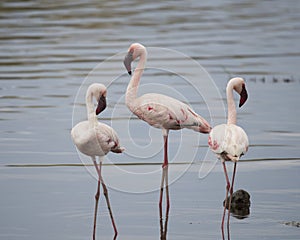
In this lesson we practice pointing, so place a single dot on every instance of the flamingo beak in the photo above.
(127, 62)
(101, 105)
(244, 96)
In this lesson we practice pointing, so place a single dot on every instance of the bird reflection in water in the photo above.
(240, 204)
(164, 224)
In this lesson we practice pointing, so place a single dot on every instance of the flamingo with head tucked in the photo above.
(230, 141)
(96, 139)
(159, 110)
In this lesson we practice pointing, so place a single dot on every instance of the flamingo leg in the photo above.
(225, 204)
(105, 192)
(166, 170)
(166, 162)
(164, 184)
(164, 180)
(161, 193)
(167, 190)
(96, 198)
(230, 199)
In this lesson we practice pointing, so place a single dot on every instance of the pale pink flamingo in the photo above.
(96, 139)
(230, 141)
(159, 111)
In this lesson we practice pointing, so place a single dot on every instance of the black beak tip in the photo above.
(129, 72)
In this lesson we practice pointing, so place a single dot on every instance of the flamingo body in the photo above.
(164, 112)
(97, 140)
(228, 141)
(158, 110)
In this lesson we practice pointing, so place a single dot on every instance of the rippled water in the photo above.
(48, 48)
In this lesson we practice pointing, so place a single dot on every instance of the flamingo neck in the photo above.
(231, 118)
(92, 118)
(133, 85)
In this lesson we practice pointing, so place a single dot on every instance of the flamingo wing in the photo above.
(108, 139)
(165, 112)
(96, 141)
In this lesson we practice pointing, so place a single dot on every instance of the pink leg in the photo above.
(225, 204)
(166, 170)
(167, 190)
(164, 167)
(230, 199)
(96, 198)
(164, 183)
(165, 151)
(161, 192)
(96, 209)
(105, 192)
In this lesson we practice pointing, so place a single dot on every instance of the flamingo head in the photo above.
(127, 61)
(240, 88)
(134, 51)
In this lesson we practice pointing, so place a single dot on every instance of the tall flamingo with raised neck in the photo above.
(97, 139)
(159, 110)
(230, 141)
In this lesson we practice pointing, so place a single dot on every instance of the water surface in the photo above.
(48, 49)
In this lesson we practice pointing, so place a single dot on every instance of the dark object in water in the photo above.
(292, 223)
(240, 204)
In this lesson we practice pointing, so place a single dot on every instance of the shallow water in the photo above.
(49, 48)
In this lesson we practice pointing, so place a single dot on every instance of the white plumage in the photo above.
(96, 139)
(229, 141)
(164, 112)
(92, 137)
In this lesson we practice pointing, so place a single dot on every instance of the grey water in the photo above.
(51, 50)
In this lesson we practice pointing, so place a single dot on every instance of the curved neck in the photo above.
(133, 85)
(90, 108)
(231, 118)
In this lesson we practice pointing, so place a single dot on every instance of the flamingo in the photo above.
(159, 111)
(96, 139)
(229, 141)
